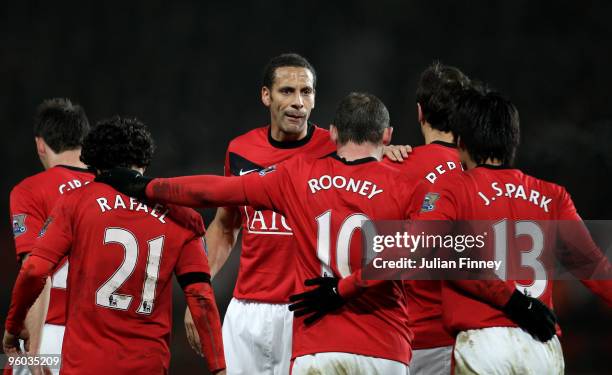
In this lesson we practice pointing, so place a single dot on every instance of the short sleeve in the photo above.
(192, 258)
(55, 238)
(566, 208)
(269, 188)
(28, 217)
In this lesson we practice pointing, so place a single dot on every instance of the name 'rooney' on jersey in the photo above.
(362, 187)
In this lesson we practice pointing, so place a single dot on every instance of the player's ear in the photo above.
(41, 146)
(460, 144)
(387, 133)
(333, 133)
(265, 96)
(420, 113)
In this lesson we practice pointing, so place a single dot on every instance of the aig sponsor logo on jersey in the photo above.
(266, 222)
(19, 226)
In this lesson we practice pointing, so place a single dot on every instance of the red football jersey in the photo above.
(427, 163)
(268, 246)
(122, 254)
(31, 203)
(326, 201)
(498, 193)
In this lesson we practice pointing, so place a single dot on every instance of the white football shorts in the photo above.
(505, 351)
(257, 338)
(431, 361)
(337, 363)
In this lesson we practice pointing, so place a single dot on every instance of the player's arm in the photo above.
(51, 247)
(30, 283)
(221, 237)
(28, 219)
(35, 319)
(193, 274)
(580, 254)
(263, 191)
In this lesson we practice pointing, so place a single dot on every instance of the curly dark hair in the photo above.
(61, 124)
(118, 142)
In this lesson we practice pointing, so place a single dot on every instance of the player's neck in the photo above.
(432, 135)
(352, 151)
(469, 163)
(281, 136)
(70, 158)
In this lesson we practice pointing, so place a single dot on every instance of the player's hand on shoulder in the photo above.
(397, 153)
(317, 302)
(125, 180)
(531, 315)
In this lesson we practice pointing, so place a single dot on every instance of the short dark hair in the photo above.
(361, 117)
(488, 126)
(436, 92)
(286, 59)
(61, 124)
(118, 142)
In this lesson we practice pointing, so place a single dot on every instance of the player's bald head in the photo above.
(361, 117)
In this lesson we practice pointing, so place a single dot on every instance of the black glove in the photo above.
(531, 315)
(319, 301)
(126, 181)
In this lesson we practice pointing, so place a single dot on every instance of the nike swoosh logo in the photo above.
(242, 173)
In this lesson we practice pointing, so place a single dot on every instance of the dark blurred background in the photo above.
(192, 72)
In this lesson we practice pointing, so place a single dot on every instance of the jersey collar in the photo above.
(352, 162)
(489, 166)
(292, 144)
(445, 144)
(86, 170)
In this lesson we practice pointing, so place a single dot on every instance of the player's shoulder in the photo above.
(42, 180)
(186, 220)
(320, 133)
(551, 187)
(250, 138)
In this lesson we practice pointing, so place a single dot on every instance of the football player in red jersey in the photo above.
(59, 129)
(325, 200)
(487, 342)
(261, 344)
(123, 253)
(437, 89)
